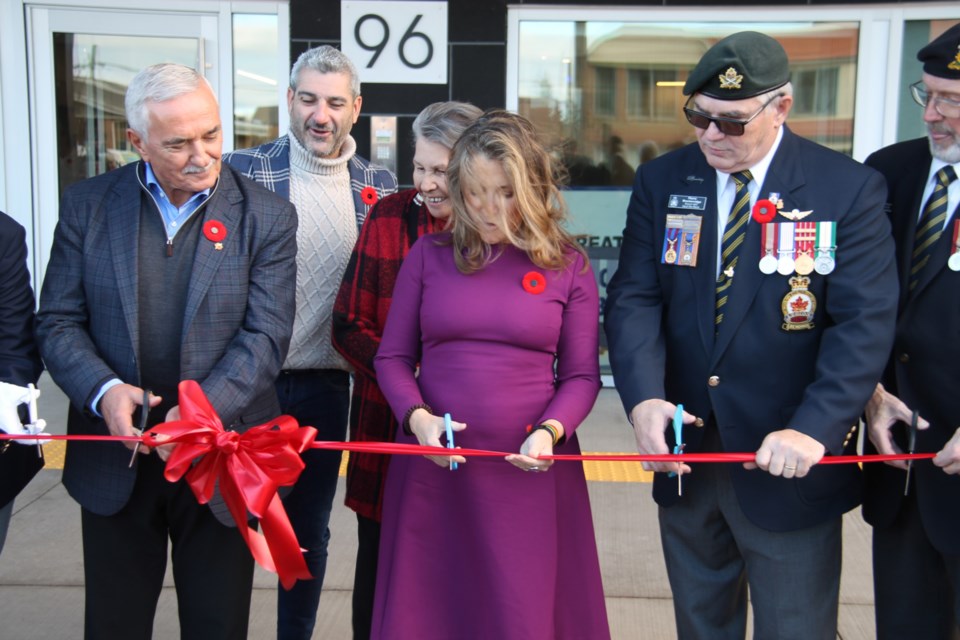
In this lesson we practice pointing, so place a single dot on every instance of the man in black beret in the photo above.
(756, 286)
(916, 548)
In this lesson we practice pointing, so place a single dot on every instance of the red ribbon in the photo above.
(398, 448)
(249, 468)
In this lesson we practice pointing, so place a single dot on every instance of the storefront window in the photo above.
(255, 81)
(608, 97)
(609, 93)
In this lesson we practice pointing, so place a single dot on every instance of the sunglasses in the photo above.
(726, 126)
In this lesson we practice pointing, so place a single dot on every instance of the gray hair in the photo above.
(444, 122)
(785, 90)
(326, 59)
(157, 83)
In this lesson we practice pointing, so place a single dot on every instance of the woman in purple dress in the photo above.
(494, 323)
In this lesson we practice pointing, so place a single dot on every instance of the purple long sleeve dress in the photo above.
(488, 550)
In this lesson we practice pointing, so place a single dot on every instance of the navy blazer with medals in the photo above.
(924, 365)
(754, 377)
(235, 333)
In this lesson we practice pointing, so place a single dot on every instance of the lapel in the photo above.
(785, 177)
(699, 179)
(224, 206)
(123, 224)
(906, 205)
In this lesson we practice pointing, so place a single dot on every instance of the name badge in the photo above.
(695, 203)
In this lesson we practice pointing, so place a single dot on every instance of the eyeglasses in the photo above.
(727, 126)
(944, 106)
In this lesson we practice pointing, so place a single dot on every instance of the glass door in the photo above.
(80, 63)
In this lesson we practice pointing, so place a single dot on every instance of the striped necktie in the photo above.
(931, 225)
(734, 234)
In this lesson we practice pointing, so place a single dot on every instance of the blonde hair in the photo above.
(537, 229)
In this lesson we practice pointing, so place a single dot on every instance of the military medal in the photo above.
(954, 260)
(785, 263)
(670, 239)
(826, 246)
(799, 305)
(806, 233)
(670, 256)
(768, 238)
(690, 240)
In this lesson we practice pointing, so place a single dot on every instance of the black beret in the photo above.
(740, 66)
(941, 57)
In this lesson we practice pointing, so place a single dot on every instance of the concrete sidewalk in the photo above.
(41, 572)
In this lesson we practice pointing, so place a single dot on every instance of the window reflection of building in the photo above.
(605, 93)
(624, 80)
(644, 100)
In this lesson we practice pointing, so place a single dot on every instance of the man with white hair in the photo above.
(776, 356)
(173, 268)
(916, 550)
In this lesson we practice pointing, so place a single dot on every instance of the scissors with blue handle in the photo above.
(448, 425)
(678, 439)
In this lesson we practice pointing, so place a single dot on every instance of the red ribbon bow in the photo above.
(249, 467)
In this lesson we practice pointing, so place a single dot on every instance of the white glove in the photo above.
(11, 397)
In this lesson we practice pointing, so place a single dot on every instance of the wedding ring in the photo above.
(533, 469)
(789, 468)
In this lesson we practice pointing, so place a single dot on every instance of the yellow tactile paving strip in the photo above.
(595, 471)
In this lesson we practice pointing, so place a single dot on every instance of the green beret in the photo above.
(941, 57)
(740, 66)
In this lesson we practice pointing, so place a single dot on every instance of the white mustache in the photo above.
(941, 128)
(195, 169)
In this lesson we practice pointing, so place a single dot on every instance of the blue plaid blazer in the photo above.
(269, 164)
(236, 327)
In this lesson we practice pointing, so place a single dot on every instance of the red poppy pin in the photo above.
(534, 283)
(215, 231)
(764, 211)
(369, 196)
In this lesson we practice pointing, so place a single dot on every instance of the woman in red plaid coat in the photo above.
(360, 313)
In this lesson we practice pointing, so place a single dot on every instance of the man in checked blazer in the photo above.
(916, 546)
(778, 364)
(316, 166)
(173, 268)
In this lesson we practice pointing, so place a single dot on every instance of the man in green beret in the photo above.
(756, 287)
(916, 549)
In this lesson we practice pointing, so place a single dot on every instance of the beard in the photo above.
(949, 154)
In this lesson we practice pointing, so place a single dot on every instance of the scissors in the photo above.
(144, 412)
(911, 448)
(36, 425)
(449, 427)
(679, 446)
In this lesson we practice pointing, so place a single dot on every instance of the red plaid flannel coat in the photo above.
(359, 315)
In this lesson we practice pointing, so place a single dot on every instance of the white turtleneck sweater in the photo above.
(327, 232)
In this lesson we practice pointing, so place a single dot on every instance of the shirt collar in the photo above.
(936, 164)
(759, 170)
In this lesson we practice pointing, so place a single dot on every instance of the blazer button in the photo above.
(904, 358)
(714, 381)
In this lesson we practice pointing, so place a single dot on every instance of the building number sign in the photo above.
(396, 42)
